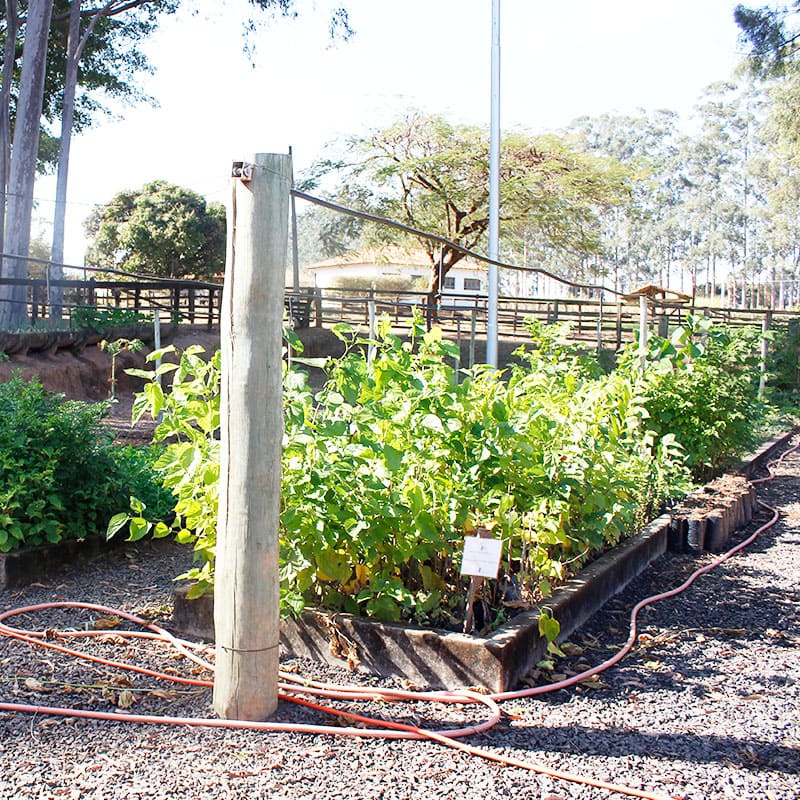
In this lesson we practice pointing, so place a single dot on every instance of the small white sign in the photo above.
(481, 556)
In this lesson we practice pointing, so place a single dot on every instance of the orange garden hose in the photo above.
(290, 686)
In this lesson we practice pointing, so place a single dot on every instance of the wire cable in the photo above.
(296, 689)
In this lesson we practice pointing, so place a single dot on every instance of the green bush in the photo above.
(101, 319)
(701, 386)
(394, 461)
(783, 363)
(60, 475)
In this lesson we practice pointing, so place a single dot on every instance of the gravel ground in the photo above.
(705, 707)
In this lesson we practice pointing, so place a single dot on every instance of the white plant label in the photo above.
(481, 556)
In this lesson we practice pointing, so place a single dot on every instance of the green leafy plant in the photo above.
(395, 460)
(114, 349)
(189, 463)
(783, 364)
(102, 319)
(701, 388)
(60, 475)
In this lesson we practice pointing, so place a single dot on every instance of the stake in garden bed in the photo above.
(246, 601)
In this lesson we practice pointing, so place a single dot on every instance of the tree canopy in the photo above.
(433, 176)
(111, 61)
(83, 54)
(770, 34)
(162, 230)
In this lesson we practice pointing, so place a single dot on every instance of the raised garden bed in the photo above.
(441, 659)
(49, 342)
(31, 564)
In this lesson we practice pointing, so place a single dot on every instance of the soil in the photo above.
(86, 376)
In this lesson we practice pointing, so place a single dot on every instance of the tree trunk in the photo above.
(22, 175)
(74, 50)
(12, 27)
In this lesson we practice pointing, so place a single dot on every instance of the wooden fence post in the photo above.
(765, 324)
(246, 594)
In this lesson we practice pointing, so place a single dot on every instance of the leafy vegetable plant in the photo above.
(395, 460)
(701, 388)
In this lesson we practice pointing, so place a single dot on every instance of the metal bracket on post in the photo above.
(242, 170)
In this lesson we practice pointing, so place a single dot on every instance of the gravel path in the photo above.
(705, 707)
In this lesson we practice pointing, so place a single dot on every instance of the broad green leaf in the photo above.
(549, 627)
(332, 566)
(116, 524)
(139, 528)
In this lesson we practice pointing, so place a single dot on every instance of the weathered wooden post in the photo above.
(762, 383)
(246, 594)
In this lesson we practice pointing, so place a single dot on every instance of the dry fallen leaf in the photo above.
(35, 686)
(594, 682)
(126, 698)
(105, 623)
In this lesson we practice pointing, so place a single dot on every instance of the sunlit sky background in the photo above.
(559, 61)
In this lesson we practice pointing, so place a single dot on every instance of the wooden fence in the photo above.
(592, 320)
(608, 324)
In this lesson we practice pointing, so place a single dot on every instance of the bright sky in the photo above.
(560, 60)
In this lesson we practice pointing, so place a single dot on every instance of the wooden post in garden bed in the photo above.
(246, 595)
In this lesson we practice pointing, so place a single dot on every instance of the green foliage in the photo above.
(394, 461)
(102, 319)
(112, 61)
(783, 364)
(60, 475)
(700, 387)
(162, 230)
(770, 41)
(189, 464)
(114, 349)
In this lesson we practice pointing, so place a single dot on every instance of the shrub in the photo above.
(102, 319)
(60, 475)
(701, 387)
(395, 460)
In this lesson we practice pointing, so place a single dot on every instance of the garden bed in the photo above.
(31, 564)
(48, 342)
(434, 658)
(440, 659)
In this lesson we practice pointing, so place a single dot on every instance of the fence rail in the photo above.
(608, 324)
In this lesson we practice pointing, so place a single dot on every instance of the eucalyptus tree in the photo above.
(70, 32)
(112, 26)
(433, 176)
(722, 203)
(771, 35)
(100, 54)
(20, 171)
(643, 238)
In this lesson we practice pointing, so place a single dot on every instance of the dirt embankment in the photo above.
(87, 375)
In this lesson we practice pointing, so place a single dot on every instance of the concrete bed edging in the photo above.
(23, 567)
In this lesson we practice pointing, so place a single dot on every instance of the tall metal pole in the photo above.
(494, 190)
(295, 250)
